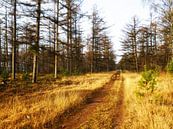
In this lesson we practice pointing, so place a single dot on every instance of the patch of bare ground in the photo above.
(103, 109)
(119, 110)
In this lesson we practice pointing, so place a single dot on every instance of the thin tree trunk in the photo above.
(0, 49)
(50, 45)
(146, 54)
(136, 53)
(107, 67)
(68, 39)
(71, 36)
(92, 47)
(6, 42)
(14, 44)
(171, 33)
(135, 46)
(57, 42)
(76, 44)
(35, 59)
(54, 35)
(155, 38)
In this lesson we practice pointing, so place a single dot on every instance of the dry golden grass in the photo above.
(150, 112)
(33, 110)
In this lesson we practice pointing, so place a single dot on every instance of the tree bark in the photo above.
(57, 42)
(69, 42)
(0, 49)
(6, 42)
(135, 44)
(14, 44)
(35, 59)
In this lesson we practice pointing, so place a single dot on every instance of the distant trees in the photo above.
(6, 34)
(46, 37)
(153, 42)
(166, 20)
(100, 49)
(140, 46)
(130, 45)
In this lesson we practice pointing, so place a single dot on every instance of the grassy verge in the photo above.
(154, 111)
(34, 109)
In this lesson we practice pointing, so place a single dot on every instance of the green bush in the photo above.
(169, 67)
(77, 72)
(147, 83)
(25, 76)
(64, 72)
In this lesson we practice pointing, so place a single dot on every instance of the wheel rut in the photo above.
(80, 116)
(119, 109)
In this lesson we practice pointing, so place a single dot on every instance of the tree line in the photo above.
(151, 44)
(45, 36)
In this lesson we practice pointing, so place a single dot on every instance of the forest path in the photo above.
(102, 110)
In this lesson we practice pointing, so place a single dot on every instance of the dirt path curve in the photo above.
(75, 119)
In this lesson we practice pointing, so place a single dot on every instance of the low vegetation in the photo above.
(170, 67)
(41, 106)
(147, 82)
(154, 111)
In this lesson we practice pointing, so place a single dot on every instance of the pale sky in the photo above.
(118, 13)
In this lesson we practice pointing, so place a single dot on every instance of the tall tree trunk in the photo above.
(136, 56)
(6, 42)
(54, 36)
(135, 45)
(0, 49)
(35, 59)
(171, 33)
(57, 42)
(14, 44)
(71, 41)
(92, 46)
(76, 44)
(68, 35)
(50, 45)
(107, 66)
(71, 36)
(68, 38)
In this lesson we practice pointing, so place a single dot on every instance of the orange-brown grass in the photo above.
(154, 111)
(33, 110)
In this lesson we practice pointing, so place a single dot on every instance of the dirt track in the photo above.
(119, 109)
(98, 103)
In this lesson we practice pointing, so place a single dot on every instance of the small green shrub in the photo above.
(169, 67)
(77, 72)
(64, 72)
(25, 76)
(147, 83)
